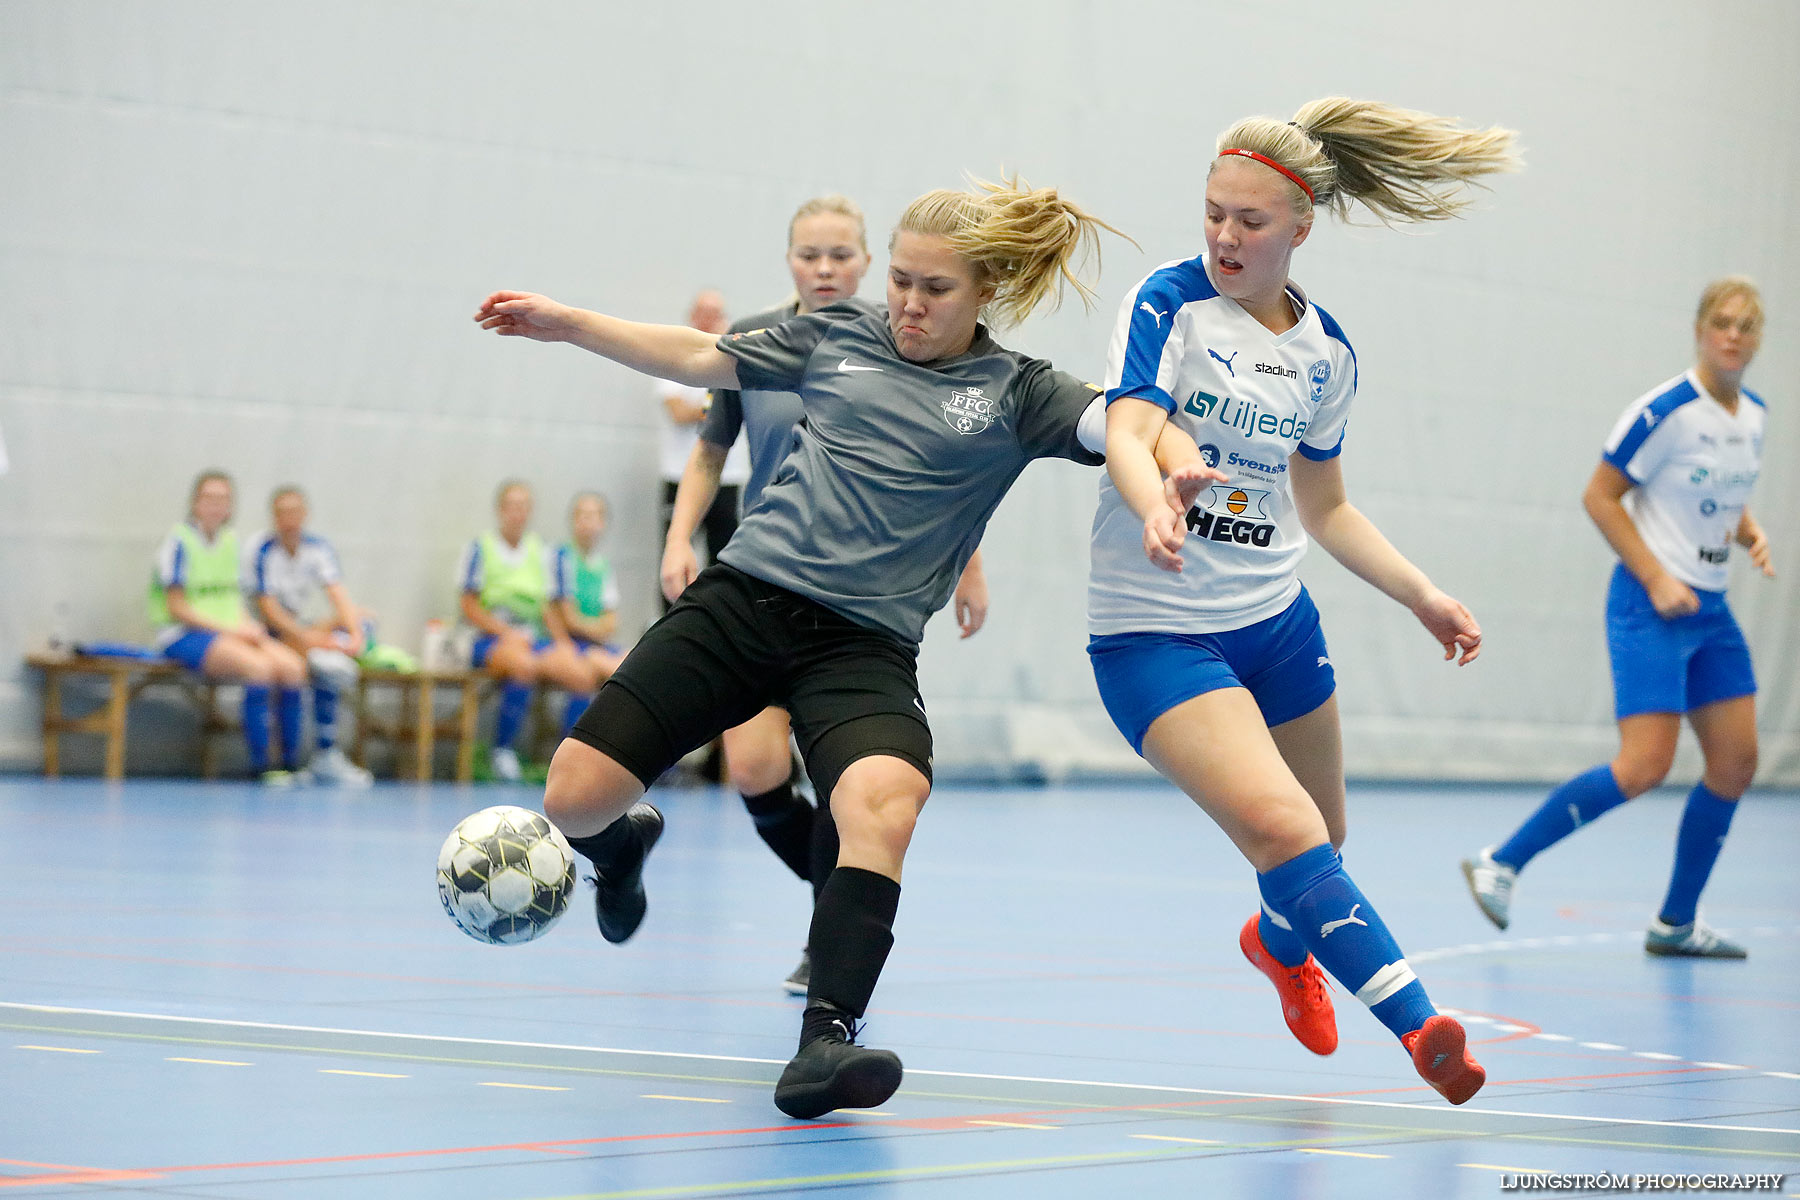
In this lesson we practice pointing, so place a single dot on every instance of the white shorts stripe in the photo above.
(1385, 983)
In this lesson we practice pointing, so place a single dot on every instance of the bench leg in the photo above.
(466, 717)
(425, 732)
(209, 755)
(117, 700)
(52, 722)
(358, 746)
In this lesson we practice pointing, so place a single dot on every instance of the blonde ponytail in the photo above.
(1399, 164)
(1020, 240)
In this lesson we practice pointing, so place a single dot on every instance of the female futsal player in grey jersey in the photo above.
(916, 426)
(827, 255)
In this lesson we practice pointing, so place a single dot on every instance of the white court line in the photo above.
(1163, 1089)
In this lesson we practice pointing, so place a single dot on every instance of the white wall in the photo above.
(251, 235)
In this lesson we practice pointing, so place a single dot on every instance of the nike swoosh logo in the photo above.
(847, 365)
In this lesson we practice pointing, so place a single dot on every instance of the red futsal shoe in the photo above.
(1305, 1004)
(1440, 1054)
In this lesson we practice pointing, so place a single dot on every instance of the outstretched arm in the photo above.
(1332, 521)
(666, 351)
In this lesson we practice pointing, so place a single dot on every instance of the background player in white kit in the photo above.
(1670, 495)
(293, 580)
(1218, 674)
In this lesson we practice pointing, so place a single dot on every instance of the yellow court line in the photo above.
(529, 1087)
(1340, 1153)
(1163, 1137)
(1013, 1124)
(364, 1074)
(689, 1099)
(55, 1049)
(211, 1062)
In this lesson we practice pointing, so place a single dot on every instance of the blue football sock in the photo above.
(1278, 937)
(577, 704)
(1568, 808)
(325, 716)
(1704, 823)
(256, 725)
(515, 702)
(290, 712)
(1341, 928)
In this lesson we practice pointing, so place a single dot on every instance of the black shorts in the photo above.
(731, 646)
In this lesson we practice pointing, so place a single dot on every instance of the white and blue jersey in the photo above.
(1250, 399)
(1692, 464)
(295, 581)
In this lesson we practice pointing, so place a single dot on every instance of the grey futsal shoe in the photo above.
(619, 900)
(1696, 939)
(800, 978)
(833, 1072)
(1491, 883)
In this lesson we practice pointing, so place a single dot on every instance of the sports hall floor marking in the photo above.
(212, 1062)
(1427, 1119)
(54, 1049)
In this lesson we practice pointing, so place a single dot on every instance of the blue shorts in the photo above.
(484, 646)
(190, 648)
(1672, 665)
(1281, 660)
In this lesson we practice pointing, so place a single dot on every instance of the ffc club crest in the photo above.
(968, 411)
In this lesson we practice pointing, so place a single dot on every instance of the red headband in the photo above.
(1266, 161)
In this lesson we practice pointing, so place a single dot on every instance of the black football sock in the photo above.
(784, 822)
(852, 932)
(612, 847)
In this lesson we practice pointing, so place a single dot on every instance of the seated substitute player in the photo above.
(198, 610)
(915, 428)
(586, 595)
(1219, 674)
(1670, 495)
(827, 256)
(504, 577)
(293, 581)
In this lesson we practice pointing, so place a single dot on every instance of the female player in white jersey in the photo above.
(1218, 673)
(827, 256)
(916, 426)
(1670, 496)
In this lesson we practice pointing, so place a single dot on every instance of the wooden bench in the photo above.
(416, 723)
(126, 678)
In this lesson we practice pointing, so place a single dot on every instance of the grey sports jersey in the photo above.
(898, 465)
(767, 421)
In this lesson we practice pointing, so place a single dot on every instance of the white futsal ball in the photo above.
(505, 874)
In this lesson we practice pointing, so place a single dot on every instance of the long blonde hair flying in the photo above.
(1022, 241)
(1400, 164)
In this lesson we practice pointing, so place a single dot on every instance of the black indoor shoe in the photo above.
(833, 1072)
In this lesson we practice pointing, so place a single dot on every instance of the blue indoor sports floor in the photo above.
(210, 990)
